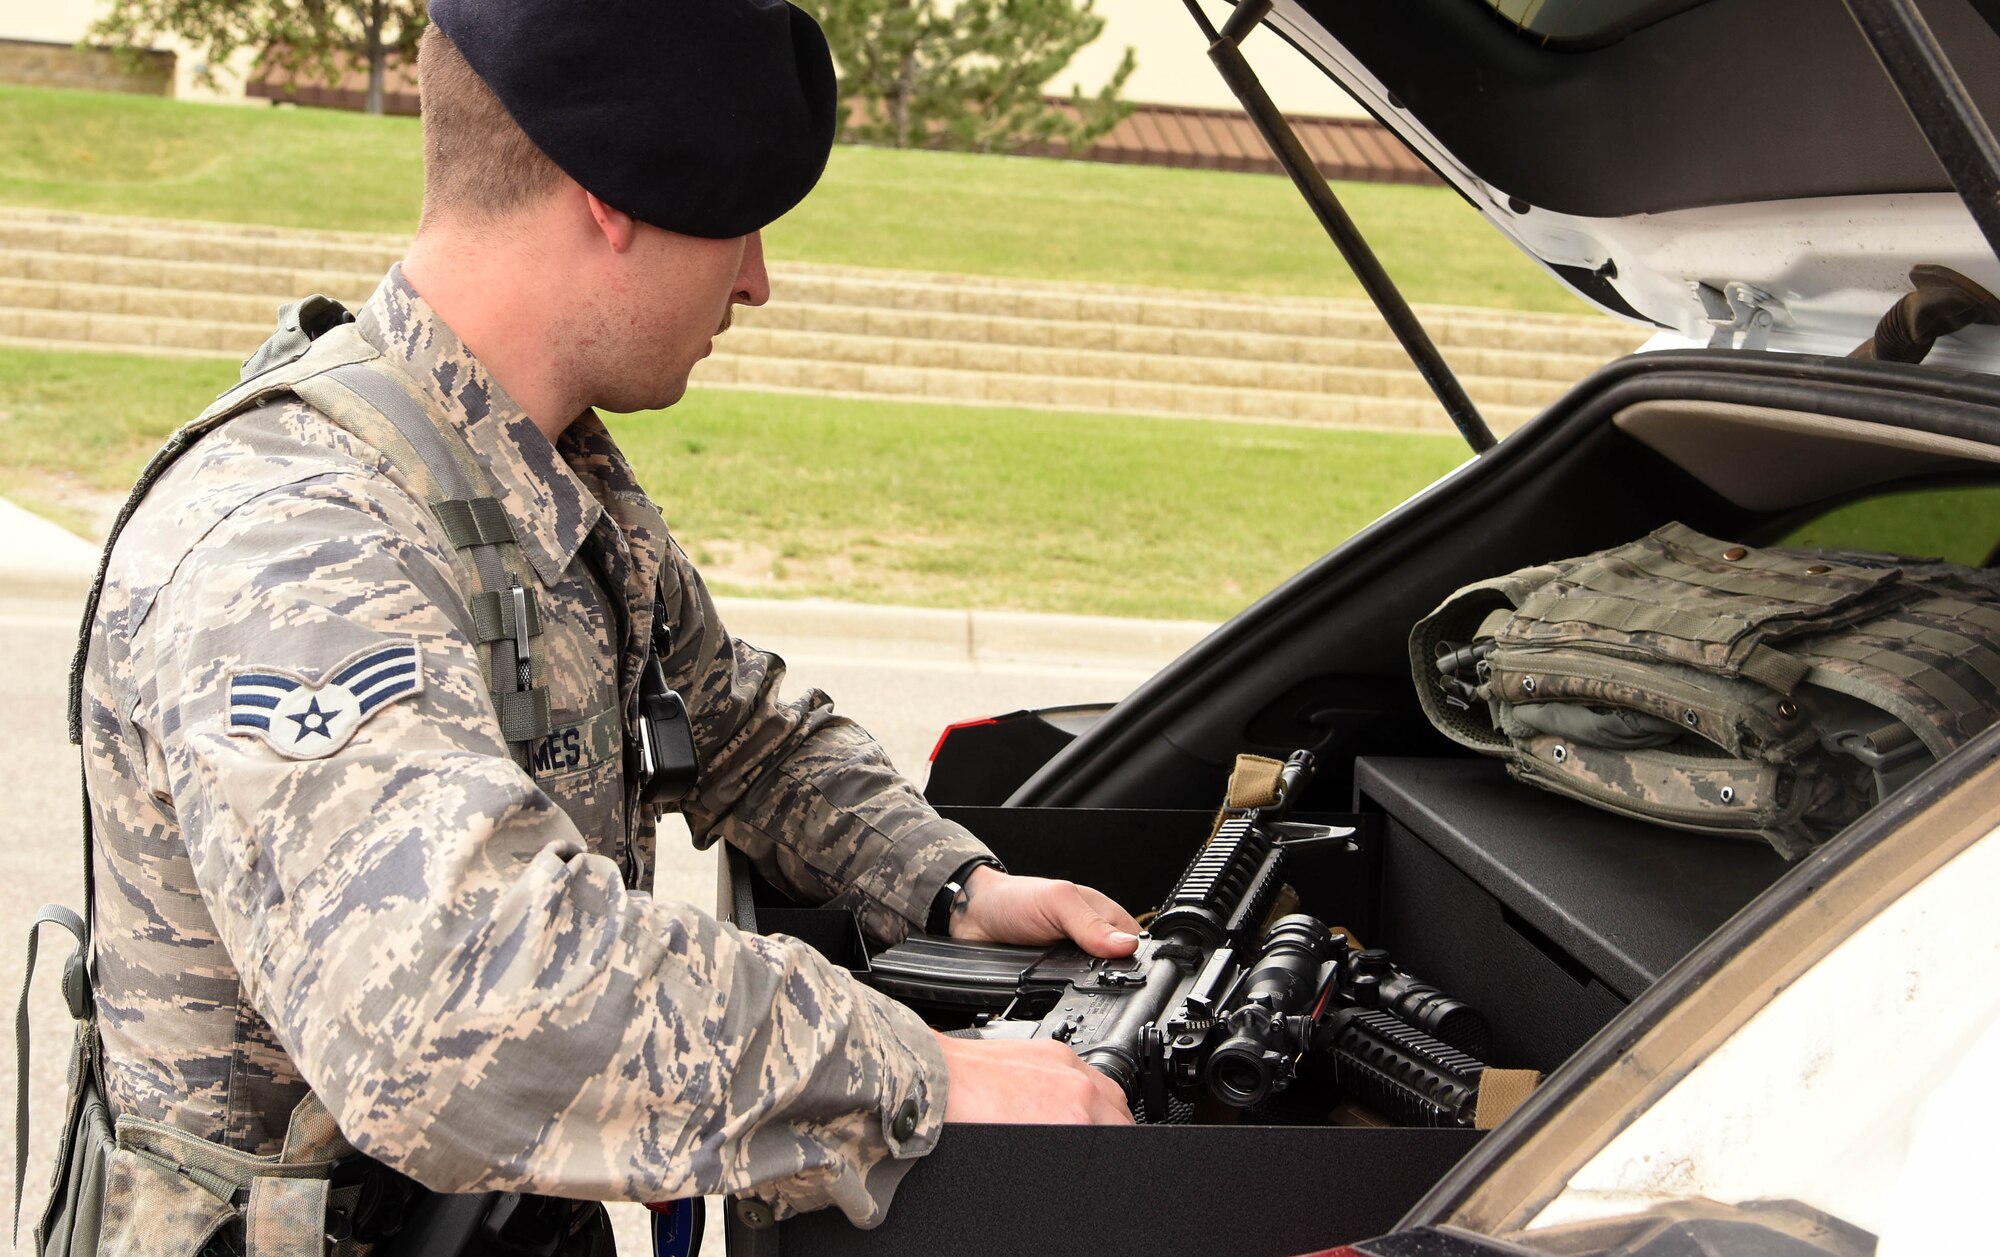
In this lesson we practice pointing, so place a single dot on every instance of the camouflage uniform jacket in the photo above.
(385, 907)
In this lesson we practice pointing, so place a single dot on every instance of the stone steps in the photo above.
(210, 263)
(1134, 397)
(154, 286)
(250, 294)
(130, 332)
(791, 314)
(237, 323)
(1157, 368)
(169, 277)
(256, 312)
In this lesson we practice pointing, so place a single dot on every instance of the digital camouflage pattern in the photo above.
(1699, 683)
(457, 956)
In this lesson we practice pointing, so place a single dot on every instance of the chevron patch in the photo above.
(303, 720)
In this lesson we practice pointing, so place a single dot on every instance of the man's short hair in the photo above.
(477, 160)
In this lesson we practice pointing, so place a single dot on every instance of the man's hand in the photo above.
(1029, 1082)
(996, 907)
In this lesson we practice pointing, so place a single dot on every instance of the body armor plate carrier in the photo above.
(1773, 693)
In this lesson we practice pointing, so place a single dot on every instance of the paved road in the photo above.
(903, 703)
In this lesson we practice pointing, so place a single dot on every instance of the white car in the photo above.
(1741, 1056)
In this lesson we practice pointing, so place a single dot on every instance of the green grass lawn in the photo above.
(1961, 525)
(1030, 217)
(863, 501)
(889, 502)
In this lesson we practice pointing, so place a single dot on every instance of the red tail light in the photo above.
(954, 728)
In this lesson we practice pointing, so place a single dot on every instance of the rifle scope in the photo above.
(1270, 1023)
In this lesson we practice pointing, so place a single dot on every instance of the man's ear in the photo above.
(618, 227)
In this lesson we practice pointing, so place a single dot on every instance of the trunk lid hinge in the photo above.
(1741, 314)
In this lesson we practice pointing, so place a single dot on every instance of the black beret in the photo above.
(705, 117)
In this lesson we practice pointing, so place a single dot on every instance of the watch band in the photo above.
(938, 923)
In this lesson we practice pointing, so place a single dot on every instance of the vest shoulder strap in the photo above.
(338, 373)
(378, 407)
(317, 356)
(276, 379)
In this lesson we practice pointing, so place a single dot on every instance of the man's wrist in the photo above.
(952, 895)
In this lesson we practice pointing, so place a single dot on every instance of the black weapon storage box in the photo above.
(1546, 915)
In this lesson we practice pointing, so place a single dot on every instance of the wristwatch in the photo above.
(938, 923)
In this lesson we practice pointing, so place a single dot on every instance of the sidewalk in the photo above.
(39, 559)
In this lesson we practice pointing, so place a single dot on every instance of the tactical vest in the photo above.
(1715, 687)
(144, 1187)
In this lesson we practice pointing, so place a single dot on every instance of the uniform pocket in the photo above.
(71, 1220)
(589, 788)
(152, 1211)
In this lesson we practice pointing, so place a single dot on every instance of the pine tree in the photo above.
(970, 75)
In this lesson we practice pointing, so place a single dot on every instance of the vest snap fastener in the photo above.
(1729, 794)
(1527, 685)
(1734, 553)
(1788, 709)
(1818, 569)
(1560, 754)
(1692, 717)
(905, 1124)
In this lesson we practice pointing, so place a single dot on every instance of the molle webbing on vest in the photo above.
(168, 1191)
(525, 715)
(493, 617)
(473, 520)
(1721, 609)
(1714, 686)
(1775, 670)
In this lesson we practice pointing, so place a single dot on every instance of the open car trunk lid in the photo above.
(1681, 162)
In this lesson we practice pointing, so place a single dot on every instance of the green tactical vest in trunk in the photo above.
(1714, 687)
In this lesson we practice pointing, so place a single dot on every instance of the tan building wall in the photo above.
(1174, 69)
(1173, 66)
(65, 21)
(51, 21)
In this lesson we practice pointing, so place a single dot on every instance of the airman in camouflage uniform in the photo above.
(319, 867)
(392, 880)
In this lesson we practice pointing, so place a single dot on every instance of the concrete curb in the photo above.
(814, 626)
(40, 559)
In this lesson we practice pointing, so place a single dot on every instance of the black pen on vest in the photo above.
(524, 669)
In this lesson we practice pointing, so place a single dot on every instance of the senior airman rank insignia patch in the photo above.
(306, 720)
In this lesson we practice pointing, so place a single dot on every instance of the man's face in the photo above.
(671, 295)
